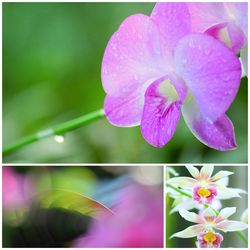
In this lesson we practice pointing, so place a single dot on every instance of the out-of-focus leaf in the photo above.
(74, 202)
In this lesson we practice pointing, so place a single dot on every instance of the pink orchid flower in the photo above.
(137, 221)
(207, 223)
(154, 69)
(204, 186)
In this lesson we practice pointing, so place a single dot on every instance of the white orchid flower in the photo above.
(206, 224)
(204, 186)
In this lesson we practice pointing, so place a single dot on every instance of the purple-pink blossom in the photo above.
(137, 221)
(154, 69)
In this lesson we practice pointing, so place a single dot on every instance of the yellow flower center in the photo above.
(209, 237)
(167, 89)
(204, 192)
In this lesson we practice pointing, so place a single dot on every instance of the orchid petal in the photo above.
(225, 213)
(190, 216)
(238, 190)
(204, 15)
(223, 181)
(226, 193)
(187, 204)
(230, 226)
(132, 57)
(124, 111)
(221, 174)
(211, 71)
(189, 232)
(206, 171)
(219, 134)
(208, 212)
(244, 216)
(239, 11)
(193, 171)
(161, 111)
(183, 182)
(225, 21)
(173, 21)
(230, 34)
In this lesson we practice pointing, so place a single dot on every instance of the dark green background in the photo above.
(52, 54)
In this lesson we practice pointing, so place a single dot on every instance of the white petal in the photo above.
(226, 212)
(216, 204)
(244, 216)
(223, 181)
(231, 225)
(192, 170)
(238, 190)
(226, 193)
(190, 216)
(206, 171)
(187, 204)
(171, 171)
(208, 212)
(183, 182)
(221, 174)
(189, 232)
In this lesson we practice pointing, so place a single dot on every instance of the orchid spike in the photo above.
(204, 186)
(208, 222)
(154, 69)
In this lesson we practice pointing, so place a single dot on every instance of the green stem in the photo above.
(240, 234)
(57, 130)
(179, 191)
(243, 237)
(215, 211)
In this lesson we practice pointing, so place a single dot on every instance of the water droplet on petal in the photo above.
(184, 63)
(191, 43)
(207, 52)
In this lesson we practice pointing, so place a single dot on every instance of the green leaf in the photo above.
(74, 202)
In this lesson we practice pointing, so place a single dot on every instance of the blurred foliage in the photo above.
(55, 205)
(46, 228)
(52, 54)
(175, 223)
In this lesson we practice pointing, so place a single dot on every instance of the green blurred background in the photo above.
(175, 223)
(52, 54)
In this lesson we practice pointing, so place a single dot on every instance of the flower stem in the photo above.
(215, 211)
(57, 130)
(179, 191)
(243, 237)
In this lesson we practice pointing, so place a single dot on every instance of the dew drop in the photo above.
(191, 43)
(226, 78)
(184, 62)
(157, 50)
(59, 138)
(207, 52)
